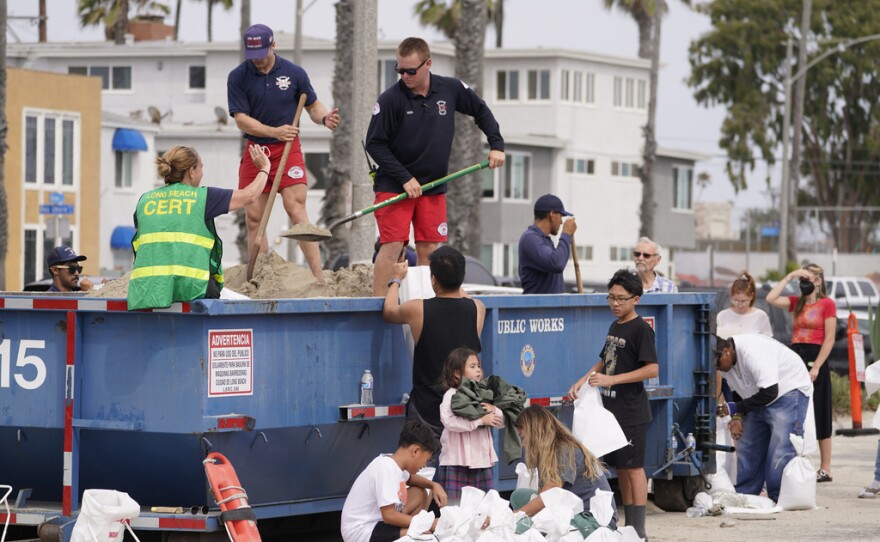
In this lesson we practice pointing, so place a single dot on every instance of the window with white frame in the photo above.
(578, 86)
(112, 77)
(490, 183)
(590, 88)
(539, 85)
(196, 78)
(516, 176)
(486, 255)
(50, 141)
(682, 187)
(565, 86)
(630, 93)
(618, 92)
(124, 163)
(385, 74)
(584, 253)
(620, 254)
(625, 169)
(507, 85)
(509, 259)
(643, 95)
(580, 166)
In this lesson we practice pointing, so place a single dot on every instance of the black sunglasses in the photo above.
(72, 268)
(637, 254)
(409, 71)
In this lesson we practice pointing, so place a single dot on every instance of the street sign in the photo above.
(56, 209)
(56, 198)
(769, 231)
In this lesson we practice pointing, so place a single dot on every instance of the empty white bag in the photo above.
(103, 516)
(594, 425)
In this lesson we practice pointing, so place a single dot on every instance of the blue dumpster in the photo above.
(94, 396)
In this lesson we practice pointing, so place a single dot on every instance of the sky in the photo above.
(583, 25)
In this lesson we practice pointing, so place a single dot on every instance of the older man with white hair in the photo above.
(646, 256)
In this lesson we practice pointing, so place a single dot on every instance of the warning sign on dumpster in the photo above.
(231, 363)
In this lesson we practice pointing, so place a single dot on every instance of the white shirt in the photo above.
(761, 362)
(731, 323)
(383, 482)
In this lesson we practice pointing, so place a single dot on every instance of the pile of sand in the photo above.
(276, 278)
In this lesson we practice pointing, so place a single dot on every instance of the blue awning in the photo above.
(121, 237)
(128, 140)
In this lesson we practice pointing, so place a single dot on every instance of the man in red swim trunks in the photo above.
(263, 92)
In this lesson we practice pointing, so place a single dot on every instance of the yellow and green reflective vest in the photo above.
(176, 249)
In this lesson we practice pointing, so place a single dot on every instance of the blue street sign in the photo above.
(769, 231)
(56, 209)
(56, 198)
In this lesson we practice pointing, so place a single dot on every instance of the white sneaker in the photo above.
(869, 493)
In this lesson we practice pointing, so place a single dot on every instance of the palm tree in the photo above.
(463, 21)
(177, 18)
(241, 241)
(338, 172)
(225, 4)
(114, 15)
(4, 211)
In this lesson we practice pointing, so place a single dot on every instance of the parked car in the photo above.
(780, 322)
(855, 292)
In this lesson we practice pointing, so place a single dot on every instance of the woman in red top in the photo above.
(815, 323)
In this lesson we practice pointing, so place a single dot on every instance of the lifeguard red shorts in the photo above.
(295, 168)
(427, 214)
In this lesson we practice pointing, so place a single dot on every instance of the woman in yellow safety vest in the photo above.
(177, 250)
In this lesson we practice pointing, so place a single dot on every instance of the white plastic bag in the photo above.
(594, 425)
(872, 378)
(103, 515)
(811, 445)
(416, 285)
(727, 460)
(525, 478)
(798, 489)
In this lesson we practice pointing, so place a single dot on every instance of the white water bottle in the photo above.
(367, 388)
(690, 441)
(696, 512)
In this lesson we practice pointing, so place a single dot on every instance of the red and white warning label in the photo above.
(231, 363)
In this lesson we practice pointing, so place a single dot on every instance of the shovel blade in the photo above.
(307, 232)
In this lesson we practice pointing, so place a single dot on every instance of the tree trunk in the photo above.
(798, 124)
(43, 38)
(240, 221)
(120, 26)
(650, 152)
(210, 19)
(498, 23)
(643, 20)
(338, 172)
(4, 211)
(177, 19)
(465, 194)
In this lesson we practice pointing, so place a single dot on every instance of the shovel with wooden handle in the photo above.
(261, 231)
(308, 232)
(577, 267)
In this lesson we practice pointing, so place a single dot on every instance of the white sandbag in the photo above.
(742, 503)
(877, 419)
(727, 460)
(798, 489)
(420, 523)
(532, 535)
(226, 293)
(629, 534)
(415, 285)
(603, 512)
(721, 482)
(872, 378)
(594, 425)
(525, 478)
(103, 515)
(574, 535)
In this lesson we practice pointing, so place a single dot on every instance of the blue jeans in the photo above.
(764, 449)
(877, 463)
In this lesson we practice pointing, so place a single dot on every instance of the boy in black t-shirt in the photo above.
(626, 360)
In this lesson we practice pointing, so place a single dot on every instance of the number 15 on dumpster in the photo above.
(26, 365)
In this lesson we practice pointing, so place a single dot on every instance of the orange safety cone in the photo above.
(237, 515)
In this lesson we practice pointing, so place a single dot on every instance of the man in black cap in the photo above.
(540, 262)
(263, 92)
(65, 271)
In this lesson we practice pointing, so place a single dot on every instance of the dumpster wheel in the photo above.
(678, 494)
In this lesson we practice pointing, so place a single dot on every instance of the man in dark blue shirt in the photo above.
(410, 138)
(263, 92)
(540, 263)
(66, 273)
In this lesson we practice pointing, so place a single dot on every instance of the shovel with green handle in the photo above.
(309, 232)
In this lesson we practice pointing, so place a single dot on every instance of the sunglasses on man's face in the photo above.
(645, 255)
(72, 269)
(409, 71)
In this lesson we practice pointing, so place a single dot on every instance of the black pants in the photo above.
(822, 400)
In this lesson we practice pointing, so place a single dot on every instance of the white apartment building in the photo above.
(571, 121)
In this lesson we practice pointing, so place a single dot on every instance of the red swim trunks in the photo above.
(295, 169)
(427, 214)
